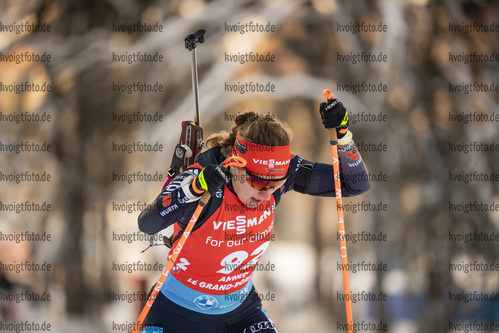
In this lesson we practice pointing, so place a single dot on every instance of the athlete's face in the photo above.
(248, 195)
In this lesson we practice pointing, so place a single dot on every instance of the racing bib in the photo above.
(220, 256)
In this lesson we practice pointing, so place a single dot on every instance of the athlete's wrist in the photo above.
(346, 139)
(190, 190)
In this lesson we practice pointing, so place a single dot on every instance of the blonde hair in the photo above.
(265, 130)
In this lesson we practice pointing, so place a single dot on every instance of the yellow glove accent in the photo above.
(202, 181)
(345, 120)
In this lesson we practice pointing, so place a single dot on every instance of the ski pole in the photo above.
(239, 162)
(333, 138)
(190, 44)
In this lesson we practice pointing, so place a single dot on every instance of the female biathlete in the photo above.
(210, 288)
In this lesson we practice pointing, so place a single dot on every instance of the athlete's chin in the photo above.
(253, 203)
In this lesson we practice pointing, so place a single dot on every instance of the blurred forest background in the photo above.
(91, 235)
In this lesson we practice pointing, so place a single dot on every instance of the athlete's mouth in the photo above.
(255, 202)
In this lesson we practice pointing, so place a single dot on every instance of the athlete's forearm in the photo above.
(317, 178)
(170, 206)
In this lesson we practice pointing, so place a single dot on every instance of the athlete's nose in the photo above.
(265, 195)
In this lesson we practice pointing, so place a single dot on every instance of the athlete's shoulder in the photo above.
(210, 156)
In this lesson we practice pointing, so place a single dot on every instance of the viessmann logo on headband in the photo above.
(272, 164)
(263, 160)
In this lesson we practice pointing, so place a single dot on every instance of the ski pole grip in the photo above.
(235, 161)
(192, 39)
(239, 162)
(328, 94)
(333, 137)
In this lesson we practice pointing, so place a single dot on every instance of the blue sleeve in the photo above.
(170, 206)
(317, 178)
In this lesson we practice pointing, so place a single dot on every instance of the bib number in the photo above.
(235, 260)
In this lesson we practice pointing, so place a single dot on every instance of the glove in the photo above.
(210, 179)
(334, 115)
